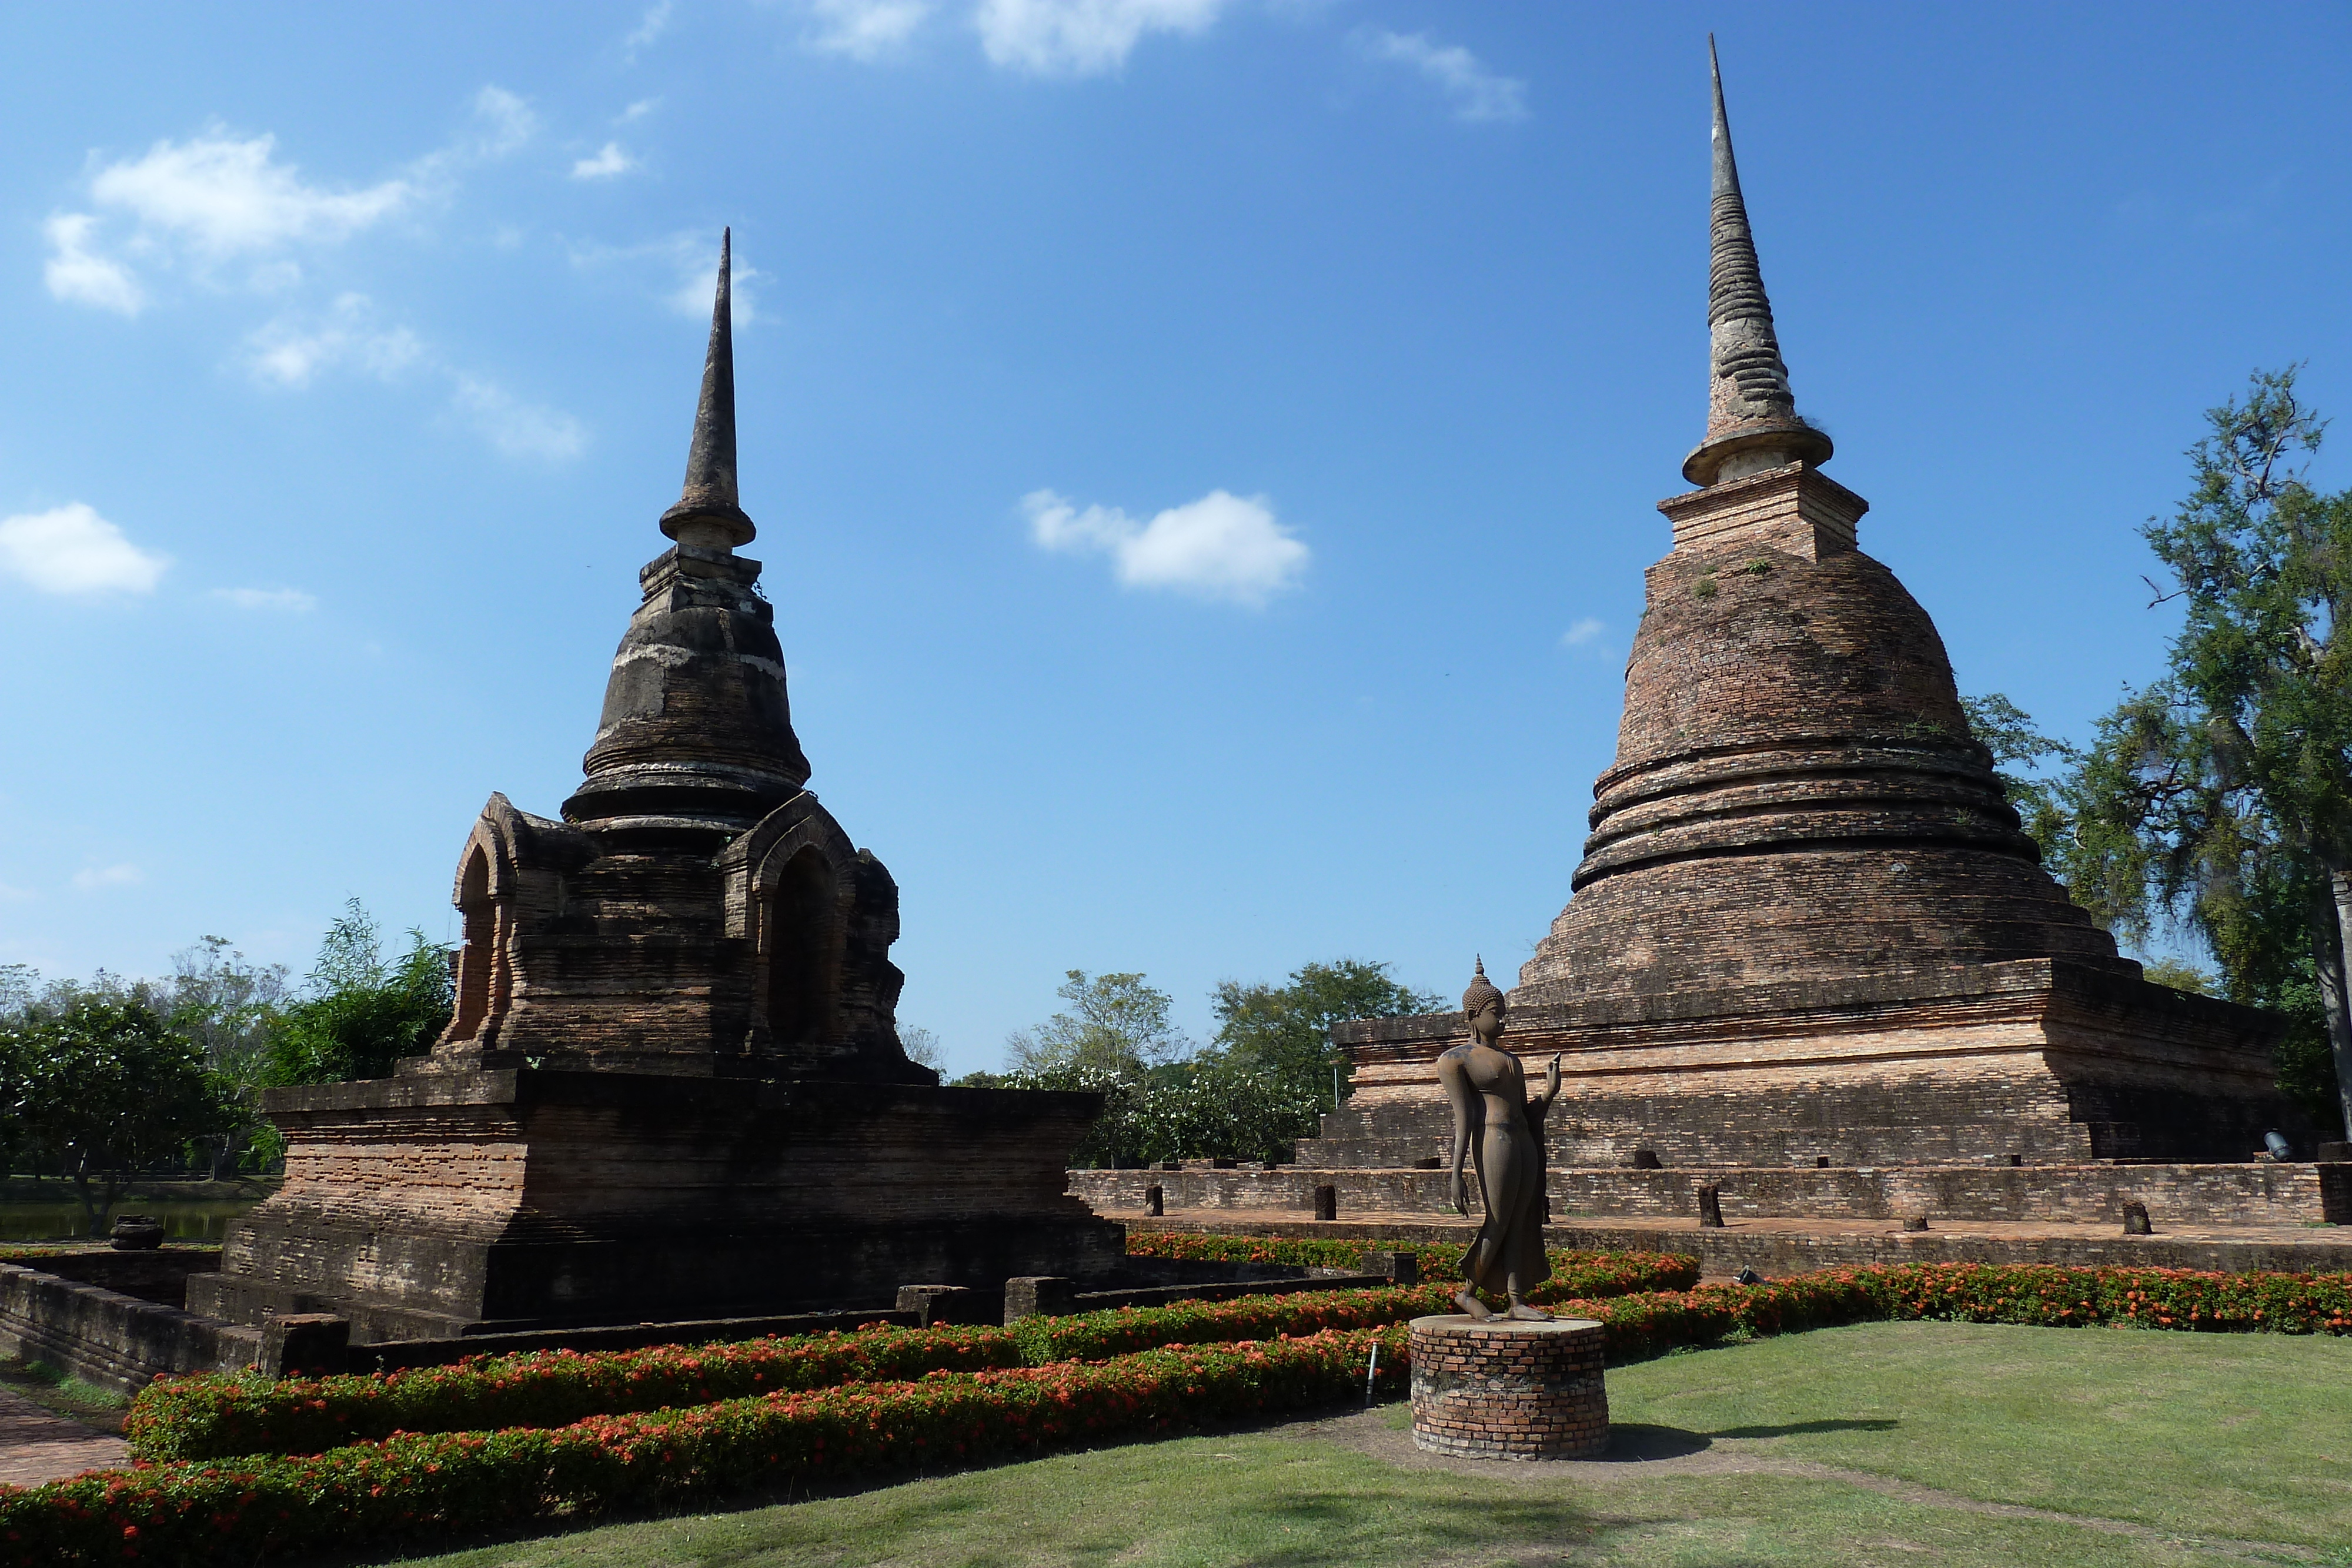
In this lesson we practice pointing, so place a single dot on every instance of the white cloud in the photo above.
(287, 355)
(863, 29)
(227, 198)
(80, 273)
(655, 24)
(1081, 37)
(15, 895)
(1584, 632)
(611, 161)
(72, 549)
(509, 120)
(638, 110)
(292, 601)
(97, 877)
(1220, 546)
(516, 428)
(1478, 92)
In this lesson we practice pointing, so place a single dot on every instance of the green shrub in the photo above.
(409, 1485)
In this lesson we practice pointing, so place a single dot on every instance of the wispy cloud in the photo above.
(636, 111)
(516, 428)
(1584, 633)
(96, 877)
(863, 29)
(288, 354)
(655, 23)
(217, 199)
(1081, 37)
(286, 600)
(72, 549)
(1220, 546)
(605, 164)
(1476, 93)
(687, 263)
(76, 273)
(507, 122)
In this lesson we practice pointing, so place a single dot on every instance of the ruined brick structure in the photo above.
(672, 1086)
(1807, 929)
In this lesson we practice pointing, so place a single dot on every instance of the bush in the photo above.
(411, 1484)
(209, 1416)
(1574, 1273)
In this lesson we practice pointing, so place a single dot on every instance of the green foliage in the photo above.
(2220, 797)
(229, 1008)
(363, 1012)
(2006, 730)
(1286, 1031)
(215, 1416)
(204, 1513)
(1203, 1109)
(1115, 1024)
(97, 1083)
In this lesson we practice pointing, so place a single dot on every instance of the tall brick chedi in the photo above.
(672, 1086)
(1807, 925)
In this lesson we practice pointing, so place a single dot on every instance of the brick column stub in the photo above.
(1506, 1390)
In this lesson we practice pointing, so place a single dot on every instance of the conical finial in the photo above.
(709, 513)
(1751, 415)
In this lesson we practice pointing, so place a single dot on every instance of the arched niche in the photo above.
(803, 926)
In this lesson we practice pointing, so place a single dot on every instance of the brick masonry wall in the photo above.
(2250, 1194)
(1509, 1391)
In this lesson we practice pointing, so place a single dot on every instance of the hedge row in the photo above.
(212, 1417)
(409, 1485)
(1439, 1259)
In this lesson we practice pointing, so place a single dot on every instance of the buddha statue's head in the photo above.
(1484, 1004)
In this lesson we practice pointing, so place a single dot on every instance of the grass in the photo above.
(63, 1394)
(1882, 1444)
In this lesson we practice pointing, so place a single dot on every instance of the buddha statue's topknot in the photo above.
(1482, 992)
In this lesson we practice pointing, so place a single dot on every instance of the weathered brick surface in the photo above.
(2241, 1193)
(422, 1205)
(2051, 1060)
(1509, 1390)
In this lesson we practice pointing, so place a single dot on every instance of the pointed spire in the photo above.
(709, 513)
(1751, 415)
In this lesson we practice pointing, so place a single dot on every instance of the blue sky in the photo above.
(1204, 450)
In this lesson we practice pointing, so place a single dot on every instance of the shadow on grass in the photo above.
(1638, 1441)
(1795, 1428)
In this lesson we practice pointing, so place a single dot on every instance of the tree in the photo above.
(229, 1008)
(1115, 1024)
(2220, 796)
(103, 1085)
(363, 1013)
(922, 1047)
(1285, 1031)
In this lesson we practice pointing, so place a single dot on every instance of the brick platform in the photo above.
(1509, 1390)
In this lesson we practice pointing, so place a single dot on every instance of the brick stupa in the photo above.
(673, 1086)
(1807, 927)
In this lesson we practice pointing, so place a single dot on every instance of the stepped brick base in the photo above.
(1509, 1390)
(2046, 1060)
(504, 1200)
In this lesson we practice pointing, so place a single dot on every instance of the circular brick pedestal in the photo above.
(1508, 1390)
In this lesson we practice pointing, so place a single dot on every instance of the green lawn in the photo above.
(1882, 1444)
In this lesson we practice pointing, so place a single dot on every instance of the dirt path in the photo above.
(37, 1446)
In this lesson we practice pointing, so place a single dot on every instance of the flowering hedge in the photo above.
(1574, 1273)
(410, 1484)
(210, 1415)
(2136, 1298)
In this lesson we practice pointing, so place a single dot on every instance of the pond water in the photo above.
(180, 1221)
